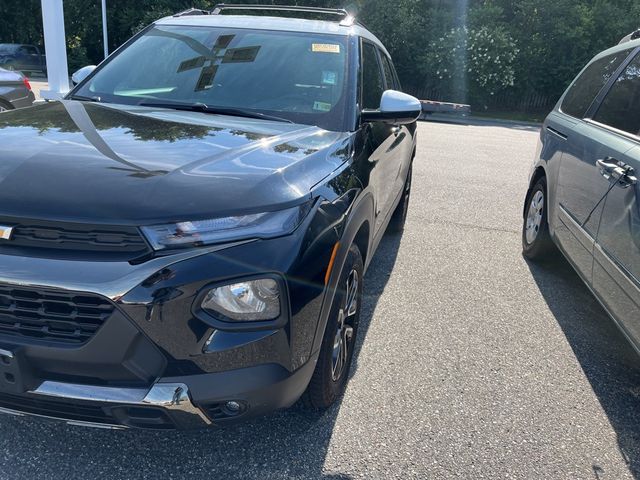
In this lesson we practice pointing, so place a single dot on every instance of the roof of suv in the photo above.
(273, 23)
(630, 44)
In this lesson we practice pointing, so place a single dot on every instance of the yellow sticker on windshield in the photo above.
(325, 47)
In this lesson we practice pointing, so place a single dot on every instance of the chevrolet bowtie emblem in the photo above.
(5, 232)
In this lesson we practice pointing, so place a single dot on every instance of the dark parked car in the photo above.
(24, 58)
(184, 237)
(15, 91)
(584, 195)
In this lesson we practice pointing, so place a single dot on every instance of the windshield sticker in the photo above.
(325, 48)
(206, 78)
(321, 106)
(196, 62)
(329, 77)
(241, 55)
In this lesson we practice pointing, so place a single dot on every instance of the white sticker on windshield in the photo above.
(321, 106)
(329, 77)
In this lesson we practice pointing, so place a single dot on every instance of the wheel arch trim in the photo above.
(361, 216)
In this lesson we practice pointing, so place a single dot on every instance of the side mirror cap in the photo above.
(81, 74)
(395, 107)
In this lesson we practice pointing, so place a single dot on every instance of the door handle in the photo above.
(619, 171)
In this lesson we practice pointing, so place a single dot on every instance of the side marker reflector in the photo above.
(334, 252)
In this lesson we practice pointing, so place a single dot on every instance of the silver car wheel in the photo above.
(344, 331)
(534, 216)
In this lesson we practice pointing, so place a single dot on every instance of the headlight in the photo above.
(245, 301)
(217, 230)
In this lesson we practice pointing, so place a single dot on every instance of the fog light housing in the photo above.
(249, 300)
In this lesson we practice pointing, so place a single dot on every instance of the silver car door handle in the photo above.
(609, 168)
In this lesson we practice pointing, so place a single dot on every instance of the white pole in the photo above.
(105, 38)
(56, 49)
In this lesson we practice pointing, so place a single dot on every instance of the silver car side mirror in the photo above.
(81, 74)
(395, 107)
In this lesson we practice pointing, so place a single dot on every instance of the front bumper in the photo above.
(167, 404)
(146, 366)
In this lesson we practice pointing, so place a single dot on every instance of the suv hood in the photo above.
(117, 164)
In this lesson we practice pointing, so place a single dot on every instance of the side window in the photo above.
(388, 72)
(372, 85)
(583, 91)
(621, 107)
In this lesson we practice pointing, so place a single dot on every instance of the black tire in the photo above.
(5, 106)
(537, 244)
(329, 382)
(399, 216)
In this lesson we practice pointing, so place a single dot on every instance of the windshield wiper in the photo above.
(203, 107)
(85, 99)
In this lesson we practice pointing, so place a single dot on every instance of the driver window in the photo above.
(372, 86)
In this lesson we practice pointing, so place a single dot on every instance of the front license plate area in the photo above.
(13, 372)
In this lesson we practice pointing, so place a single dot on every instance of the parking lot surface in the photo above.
(471, 363)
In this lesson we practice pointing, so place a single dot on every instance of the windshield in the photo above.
(298, 77)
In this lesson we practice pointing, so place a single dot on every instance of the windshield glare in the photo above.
(299, 77)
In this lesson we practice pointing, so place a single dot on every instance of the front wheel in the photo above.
(536, 239)
(329, 379)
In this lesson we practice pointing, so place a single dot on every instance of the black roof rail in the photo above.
(346, 19)
(632, 36)
(192, 11)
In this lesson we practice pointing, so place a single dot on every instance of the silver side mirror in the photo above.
(395, 107)
(81, 74)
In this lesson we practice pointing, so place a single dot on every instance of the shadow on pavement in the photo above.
(290, 444)
(610, 364)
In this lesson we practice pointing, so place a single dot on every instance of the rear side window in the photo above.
(388, 73)
(590, 82)
(621, 107)
(372, 84)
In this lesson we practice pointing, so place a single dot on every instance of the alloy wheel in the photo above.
(343, 339)
(534, 216)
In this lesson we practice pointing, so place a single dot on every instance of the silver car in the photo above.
(584, 195)
(15, 91)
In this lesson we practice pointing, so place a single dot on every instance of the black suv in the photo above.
(183, 238)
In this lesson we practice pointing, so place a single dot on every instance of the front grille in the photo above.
(65, 409)
(51, 315)
(73, 238)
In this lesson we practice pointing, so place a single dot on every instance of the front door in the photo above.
(616, 269)
(580, 188)
(380, 136)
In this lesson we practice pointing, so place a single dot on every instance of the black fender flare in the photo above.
(361, 213)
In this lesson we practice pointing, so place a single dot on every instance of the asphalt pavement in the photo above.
(471, 363)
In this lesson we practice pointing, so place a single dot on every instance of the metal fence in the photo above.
(506, 101)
